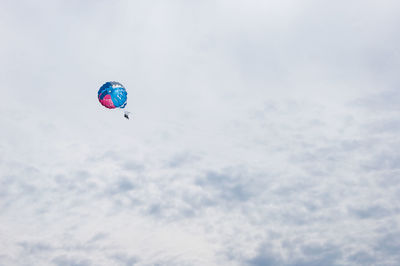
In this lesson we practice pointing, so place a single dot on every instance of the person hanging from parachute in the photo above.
(113, 95)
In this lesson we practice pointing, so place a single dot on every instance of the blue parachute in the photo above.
(112, 95)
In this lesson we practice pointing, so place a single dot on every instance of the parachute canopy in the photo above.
(112, 95)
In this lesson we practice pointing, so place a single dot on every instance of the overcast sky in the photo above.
(263, 133)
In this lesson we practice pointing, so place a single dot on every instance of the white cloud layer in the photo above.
(264, 133)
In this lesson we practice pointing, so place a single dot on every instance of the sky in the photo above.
(262, 133)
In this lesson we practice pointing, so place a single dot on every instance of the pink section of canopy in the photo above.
(107, 102)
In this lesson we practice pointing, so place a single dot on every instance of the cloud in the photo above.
(67, 261)
(262, 133)
(375, 212)
(301, 254)
(125, 260)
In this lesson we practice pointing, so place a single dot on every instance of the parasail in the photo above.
(112, 95)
